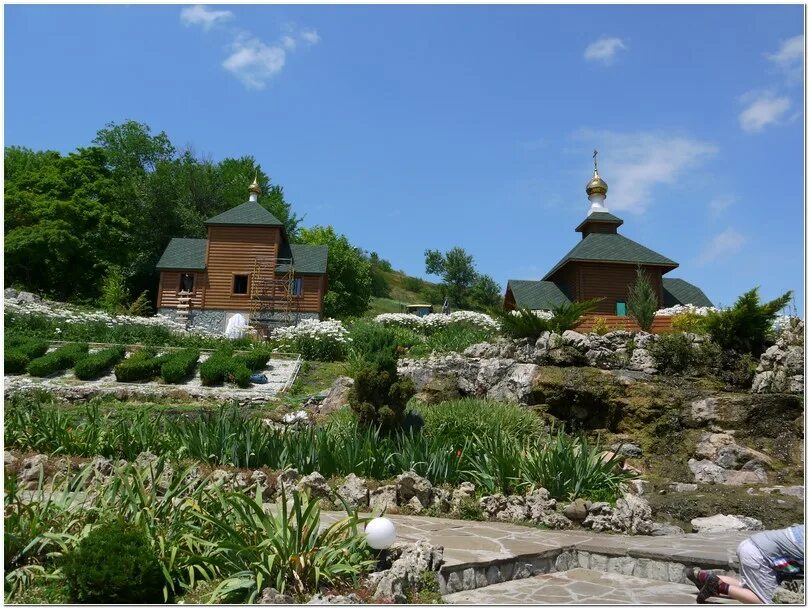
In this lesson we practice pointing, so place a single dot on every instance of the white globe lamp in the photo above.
(380, 533)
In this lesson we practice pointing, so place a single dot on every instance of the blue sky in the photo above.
(415, 127)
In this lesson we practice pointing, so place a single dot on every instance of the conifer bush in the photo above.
(18, 355)
(96, 364)
(379, 395)
(62, 358)
(114, 563)
(178, 366)
(641, 302)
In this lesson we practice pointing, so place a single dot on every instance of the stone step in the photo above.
(582, 586)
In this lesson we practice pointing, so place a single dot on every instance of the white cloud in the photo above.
(310, 37)
(724, 244)
(789, 57)
(633, 164)
(288, 43)
(720, 204)
(202, 16)
(603, 50)
(763, 108)
(253, 62)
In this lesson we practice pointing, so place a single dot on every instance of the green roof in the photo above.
(600, 216)
(609, 247)
(536, 295)
(680, 292)
(305, 258)
(250, 213)
(185, 254)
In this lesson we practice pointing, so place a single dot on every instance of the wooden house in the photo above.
(603, 264)
(245, 265)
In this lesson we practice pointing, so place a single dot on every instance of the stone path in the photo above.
(582, 586)
(480, 555)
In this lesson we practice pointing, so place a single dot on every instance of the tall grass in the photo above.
(498, 456)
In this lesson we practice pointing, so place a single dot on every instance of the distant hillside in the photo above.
(404, 290)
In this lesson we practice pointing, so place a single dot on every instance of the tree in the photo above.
(348, 270)
(457, 271)
(641, 301)
(485, 293)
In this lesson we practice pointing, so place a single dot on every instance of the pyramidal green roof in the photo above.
(305, 258)
(679, 292)
(608, 247)
(250, 213)
(536, 295)
(600, 216)
(184, 254)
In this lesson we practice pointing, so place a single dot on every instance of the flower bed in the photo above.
(325, 341)
(435, 321)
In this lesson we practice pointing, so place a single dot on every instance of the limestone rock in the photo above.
(10, 294)
(466, 490)
(383, 499)
(710, 473)
(405, 572)
(660, 529)
(28, 297)
(9, 460)
(334, 599)
(31, 467)
(493, 504)
(704, 411)
(643, 361)
(220, 477)
(576, 511)
(337, 397)
(579, 341)
(632, 514)
(355, 491)
(639, 487)
(683, 487)
(315, 484)
(410, 484)
(271, 596)
(441, 499)
(721, 523)
(288, 478)
(552, 520)
(415, 505)
(627, 449)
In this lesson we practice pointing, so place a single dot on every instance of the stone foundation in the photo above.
(215, 320)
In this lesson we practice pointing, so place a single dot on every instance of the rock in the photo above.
(710, 443)
(517, 387)
(704, 411)
(627, 449)
(721, 523)
(465, 490)
(28, 297)
(441, 499)
(576, 511)
(639, 487)
(240, 481)
(540, 506)
(10, 293)
(271, 596)
(354, 491)
(643, 361)
(410, 484)
(632, 514)
(259, 479)
(314, 484)
(780, 368)
(576, 340)
(337, 397)
(683, 487)
(383, 500)
(334, 599)
(220, 477)
(707, 472)
(9, 460)
(406, 571)
(288, 478)
(552, 520)
(493, 504)
(661, 529)
(31, 467)
(415, 505)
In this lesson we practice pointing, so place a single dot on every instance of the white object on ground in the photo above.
(237, 325)
(293, 417)
(380, 533)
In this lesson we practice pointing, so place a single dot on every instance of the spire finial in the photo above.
(596, 188)
(254, 188)
(595, 162)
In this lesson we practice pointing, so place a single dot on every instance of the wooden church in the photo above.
(603, 264)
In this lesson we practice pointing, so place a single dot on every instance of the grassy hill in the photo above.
(404, 290)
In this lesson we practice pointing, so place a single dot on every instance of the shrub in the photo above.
(18, 354)
(737, 369)
(641, 302)
(379, 396)
(62, 358)
(96, 364)
(454, 338)
(523, 323)
(600, 326)
(222, 366)
(568, 315)
(413, 284)
(746, 326)
(674, 353)
(688, 321)
(142, 365)
(179, 366)
(114, 563)
(257, 358)
(370, 340)
(324, 341)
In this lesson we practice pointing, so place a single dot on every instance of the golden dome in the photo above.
(596, 186)
(254, 187)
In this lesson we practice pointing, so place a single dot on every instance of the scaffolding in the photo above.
(272, 294)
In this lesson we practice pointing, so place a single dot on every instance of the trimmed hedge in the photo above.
(62, 358)
(142, 365)
(221, 366)
(18, 354)
(178, 366)
(256, 359)
(97, 364)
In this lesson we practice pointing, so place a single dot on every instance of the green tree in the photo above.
(746, 327)
(641, 301)
(349, 273)
(485, 293)
(456, 269)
